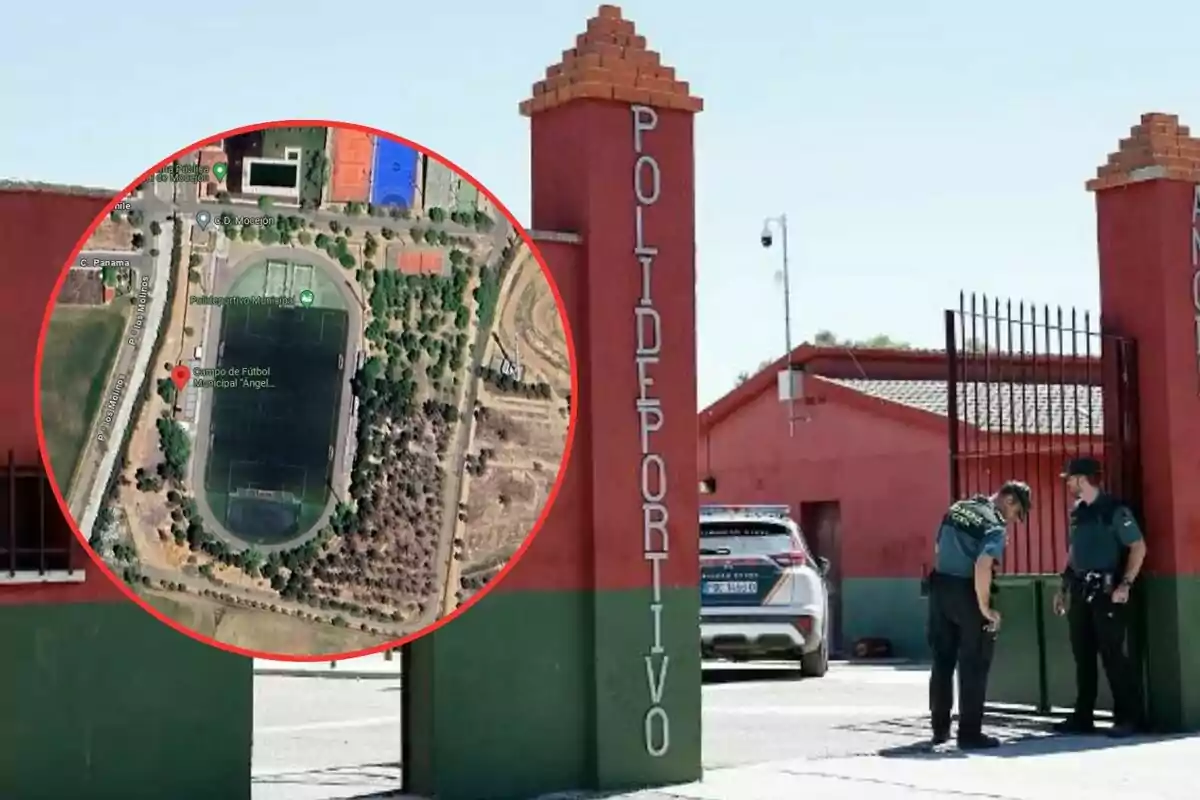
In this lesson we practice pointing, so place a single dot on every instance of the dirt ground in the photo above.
(526, 436)
(255, 629)
(148, 512)
(81, 288)
(111, 236)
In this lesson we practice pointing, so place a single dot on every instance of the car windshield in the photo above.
(742, 538)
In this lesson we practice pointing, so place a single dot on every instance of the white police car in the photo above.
(762, 594)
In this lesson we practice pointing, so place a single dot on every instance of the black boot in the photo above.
(977, 741)
(1074, 726)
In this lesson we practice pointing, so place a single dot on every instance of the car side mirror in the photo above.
(823, 565)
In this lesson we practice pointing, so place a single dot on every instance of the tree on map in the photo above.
(457, 256)
(136, 218)
(483, 222)
(417, 234)
(323, 241)
(370, 246)
(353, 209)
(387, 233)
(252, 561)
(335, 226)
(193, 276)
(249, 233)
(222, 197)
(176, 449)
(154, 252)
(304, 237)
(436, 214)
(166, 390)
(268, 235)
(265, 202)
(155, 228)
(347, 260)
(138, 241)
(431, 236)
(195, 260)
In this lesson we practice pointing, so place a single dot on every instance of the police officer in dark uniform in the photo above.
(1106, 554)
(962, 622)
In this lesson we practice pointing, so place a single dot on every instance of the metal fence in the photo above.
(1030, 387)
(35, 540)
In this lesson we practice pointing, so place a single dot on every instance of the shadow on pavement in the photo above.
(739, 673)
(1020, 737)
(385, 776)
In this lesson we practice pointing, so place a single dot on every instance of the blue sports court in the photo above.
(395, 177)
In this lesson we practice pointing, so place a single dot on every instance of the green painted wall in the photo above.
(535, 692)
(1173, 650)
(889, 608)
(102, 701)
(1035, 667)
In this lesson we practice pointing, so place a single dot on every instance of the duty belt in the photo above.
(1094, 584)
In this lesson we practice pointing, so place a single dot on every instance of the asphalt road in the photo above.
(319, 738)
(325, 738)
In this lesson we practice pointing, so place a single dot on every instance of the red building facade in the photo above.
(99, 699)
(862, 458)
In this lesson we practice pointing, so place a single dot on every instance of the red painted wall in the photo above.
(38, 232)
(1145, 232)
(583, 157)
(890, 478)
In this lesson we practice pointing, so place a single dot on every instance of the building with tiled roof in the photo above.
(862, 457)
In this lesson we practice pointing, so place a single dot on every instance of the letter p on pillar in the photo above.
(645, 119)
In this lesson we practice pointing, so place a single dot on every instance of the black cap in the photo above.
(1020, 492)
(1084, 467)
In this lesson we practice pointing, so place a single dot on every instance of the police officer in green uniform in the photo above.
(1106, 554)
(962, 622)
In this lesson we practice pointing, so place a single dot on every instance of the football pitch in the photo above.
(269, 462)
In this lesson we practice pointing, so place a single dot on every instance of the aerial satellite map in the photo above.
(305, 390)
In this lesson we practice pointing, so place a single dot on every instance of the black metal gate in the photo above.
(1029, 387)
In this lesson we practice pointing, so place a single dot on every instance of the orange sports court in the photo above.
(353, 151)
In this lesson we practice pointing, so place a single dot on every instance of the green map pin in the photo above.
(219, 171)
(307, 298)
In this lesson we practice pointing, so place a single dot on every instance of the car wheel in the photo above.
(816, 663)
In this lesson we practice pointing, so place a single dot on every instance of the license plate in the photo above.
(730, 587)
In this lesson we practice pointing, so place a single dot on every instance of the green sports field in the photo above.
(268, 467)
(81, 346)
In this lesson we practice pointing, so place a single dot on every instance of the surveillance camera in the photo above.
(766, 237)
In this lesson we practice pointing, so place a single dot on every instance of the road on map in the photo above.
(457, 457)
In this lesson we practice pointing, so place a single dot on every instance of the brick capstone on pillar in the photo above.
(610, 61)
(1157, 147)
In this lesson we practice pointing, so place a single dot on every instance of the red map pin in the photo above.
(180, 376)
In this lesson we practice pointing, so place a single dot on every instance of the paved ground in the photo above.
(858, 732)
(317, 739)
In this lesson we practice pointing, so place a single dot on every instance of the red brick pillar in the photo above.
(1148, 225)
(582, 668)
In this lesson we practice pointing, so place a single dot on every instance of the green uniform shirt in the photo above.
(1101, 531)
(970, 529)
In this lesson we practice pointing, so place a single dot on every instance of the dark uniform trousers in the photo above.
(1098, 628)
(958, 638)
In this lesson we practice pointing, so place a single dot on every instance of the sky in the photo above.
(917, 149)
